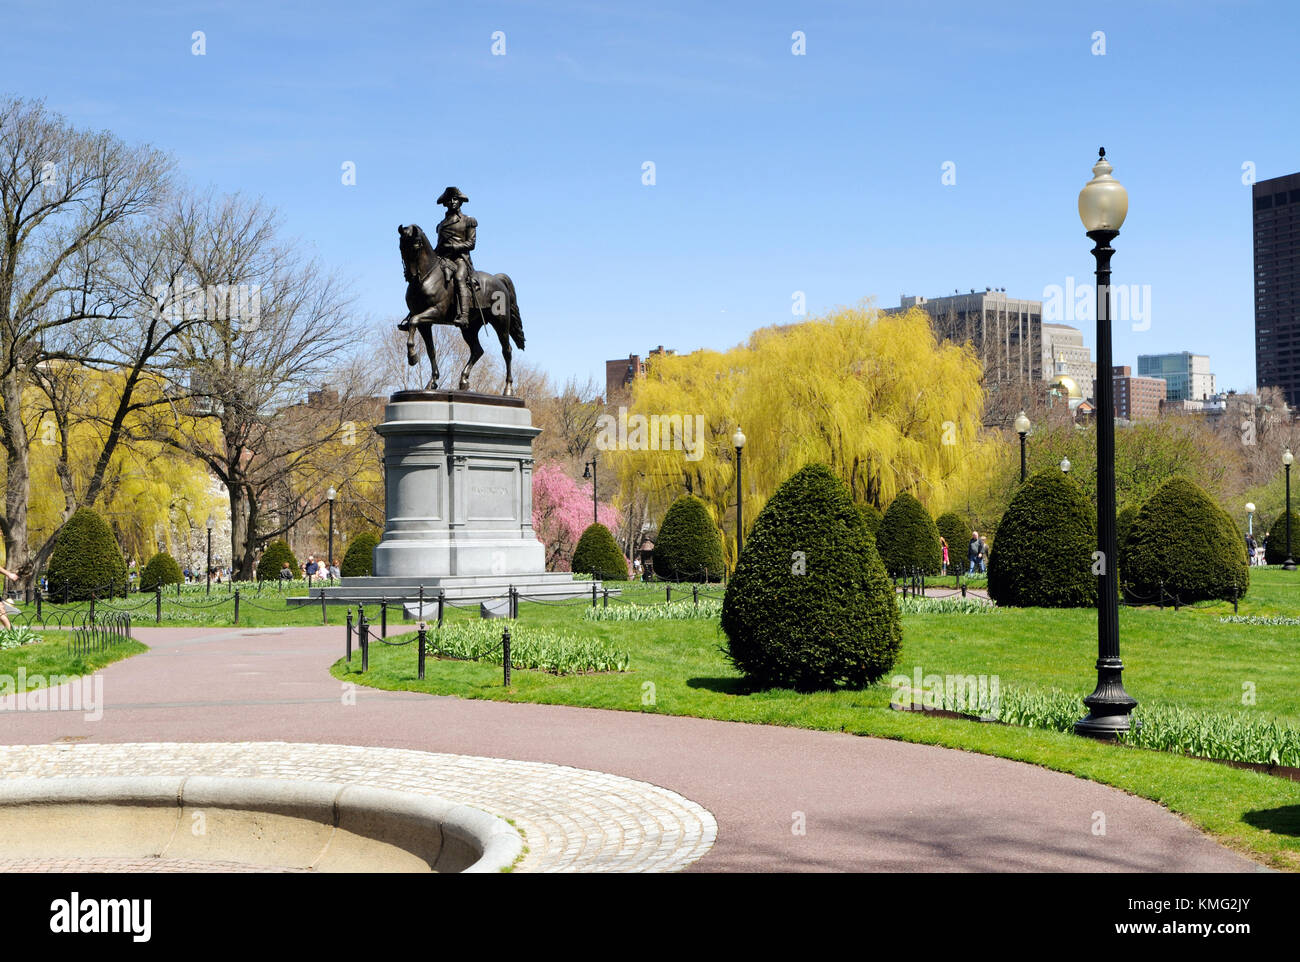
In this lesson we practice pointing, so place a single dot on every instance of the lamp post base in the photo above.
(1110, 706)
(1288, 565)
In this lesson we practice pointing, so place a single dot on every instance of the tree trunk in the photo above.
(17, 481)
(243, 548)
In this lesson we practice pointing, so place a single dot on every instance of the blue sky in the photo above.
(775, 173)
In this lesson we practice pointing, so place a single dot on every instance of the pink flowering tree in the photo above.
(561, 512)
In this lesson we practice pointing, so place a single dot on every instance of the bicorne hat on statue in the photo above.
(450, 194)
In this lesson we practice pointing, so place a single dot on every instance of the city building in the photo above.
(1136, 398)
(1006, 332)
(621, 372)
(1065, 353)
(1276, 205)
(1186, 375)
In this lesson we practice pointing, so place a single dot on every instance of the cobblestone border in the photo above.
(572, 819)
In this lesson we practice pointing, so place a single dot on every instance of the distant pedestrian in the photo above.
(285, 573)
(973, 552)
(984, 555)
(1250, 548)
(335, 574)
(6, 609)
(943, 547)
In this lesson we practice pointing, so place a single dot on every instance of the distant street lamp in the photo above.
(738, 439)
(330, 495)
(1065, 465)
(1250, 517)
(1287, 459)
(1103, 205)
(1022, 428)
(211, 524)
(589, 471)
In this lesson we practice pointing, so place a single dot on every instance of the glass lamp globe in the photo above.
(1065, 465)
(1022, 423)
(738, 439)
(331, 494)
(1250, 507)
(1288, 458)
(211, 524)
(1103, 202)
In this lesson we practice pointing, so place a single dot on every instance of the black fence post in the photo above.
(442, 603)
(39, 616)
(383, 616)
(422, 640)
(593, 592)
(1235, 592)
(505, 653)
(236, 607)
(324, 612)
(363, 636)
(605, 599)
(92, 607)
(157, 606)
(349, 635)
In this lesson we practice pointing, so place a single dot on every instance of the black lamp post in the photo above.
(1022, 428)
(1103, 204)
(211, 524)
(330, 495)
(738, 439)
(589, 471)
(1287, 459)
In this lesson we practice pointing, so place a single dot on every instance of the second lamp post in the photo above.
(211, 524)
(589, 471)
(738, 439)
(1022, 428)
(1287, 459)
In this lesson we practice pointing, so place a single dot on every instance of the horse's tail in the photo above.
(516, 322)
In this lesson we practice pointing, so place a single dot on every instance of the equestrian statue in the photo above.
(442, 287)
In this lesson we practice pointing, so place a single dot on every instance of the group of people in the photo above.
(1255, 550)
(313, 569)
(977, 554)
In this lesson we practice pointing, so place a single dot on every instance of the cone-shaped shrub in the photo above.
(1275, 550)
(1123, 525)
(689, 547)
(161, 570)
(955, 529)
(597, 554)
(871, 516)
(1183, 541)
(1043, 553)
(86, 559)
(359, 559)
(810, 605)
(276, 553)
(907, 539)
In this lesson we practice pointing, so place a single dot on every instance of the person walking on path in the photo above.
(5, 606)
(973, 552)
(984, 555)
(943, 546)
(1250, 548)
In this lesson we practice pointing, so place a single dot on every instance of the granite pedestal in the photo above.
(459, 505)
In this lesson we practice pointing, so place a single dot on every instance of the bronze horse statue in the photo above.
(431, 299)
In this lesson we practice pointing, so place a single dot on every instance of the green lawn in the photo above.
(50, 656)
(1186, 658)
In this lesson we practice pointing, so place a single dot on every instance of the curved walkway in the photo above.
(784, 799)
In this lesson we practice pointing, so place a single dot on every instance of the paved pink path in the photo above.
(868, 804)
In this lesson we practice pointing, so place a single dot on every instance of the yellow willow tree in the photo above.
(878, 398)
(146, 484)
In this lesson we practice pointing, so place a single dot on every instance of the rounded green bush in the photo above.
(359, 559)
(1042, 557)
(597, 554)
(1123, 525)
(276, 553)
(955, 529)
(810, 606)
(86, 559)
(161, 570)
(1183, 541)
(1275, 550)
(871, 516)
(689, 547)
(907, 539)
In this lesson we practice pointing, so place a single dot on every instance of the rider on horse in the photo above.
(455, 241)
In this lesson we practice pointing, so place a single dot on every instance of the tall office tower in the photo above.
(1277, 285)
